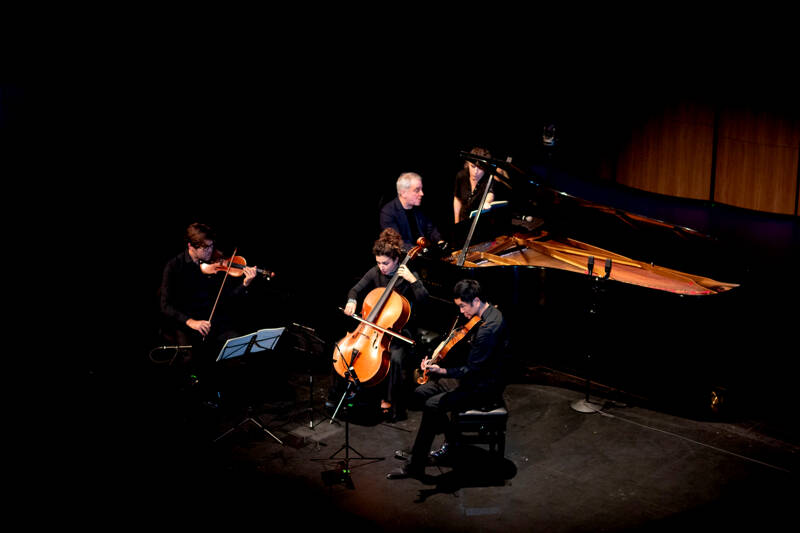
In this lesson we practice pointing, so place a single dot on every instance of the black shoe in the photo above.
(393, 415)
(402, 454)
(405, 456)
(406, 471)
(210, 404)
(441, 453)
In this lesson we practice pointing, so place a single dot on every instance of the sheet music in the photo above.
(490, 206)
(265, 339)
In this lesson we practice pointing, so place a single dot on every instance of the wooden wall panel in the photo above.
(757, 159)
(670, 152)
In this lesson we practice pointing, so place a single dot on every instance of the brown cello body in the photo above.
(365, 351)
(367, 348)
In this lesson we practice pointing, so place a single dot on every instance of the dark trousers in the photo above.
(440, 397)
(394, 392)
(202, 362)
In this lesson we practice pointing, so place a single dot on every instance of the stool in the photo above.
(485, 425)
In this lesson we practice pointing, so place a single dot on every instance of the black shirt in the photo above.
(470, 200)
(374, 278)
(488, 349)
(186, 292)
(415, 293)
(393, 215)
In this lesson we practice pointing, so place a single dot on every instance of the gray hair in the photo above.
(405, 179)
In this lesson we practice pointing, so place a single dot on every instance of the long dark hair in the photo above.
(483, 152)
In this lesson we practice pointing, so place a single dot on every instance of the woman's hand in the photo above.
(406, 274)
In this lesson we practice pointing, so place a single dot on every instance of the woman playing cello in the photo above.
(388, 252)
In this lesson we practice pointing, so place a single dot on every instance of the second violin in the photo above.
(456, 334)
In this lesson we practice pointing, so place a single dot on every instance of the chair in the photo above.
(486, 425)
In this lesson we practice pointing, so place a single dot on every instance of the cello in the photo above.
(363, 356)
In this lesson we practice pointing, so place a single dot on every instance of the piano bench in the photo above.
(483, 426)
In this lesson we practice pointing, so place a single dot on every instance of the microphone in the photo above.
(173, 347)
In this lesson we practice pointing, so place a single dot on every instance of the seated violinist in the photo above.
(388, 252)
(478, 382)
(188, 296)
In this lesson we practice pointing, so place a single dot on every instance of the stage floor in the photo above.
(625, 467)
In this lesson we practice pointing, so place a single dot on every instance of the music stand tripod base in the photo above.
(262, 340)
(342, 475)
(254, 421)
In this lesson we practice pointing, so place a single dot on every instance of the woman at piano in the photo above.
(388, 252)
(469, 187)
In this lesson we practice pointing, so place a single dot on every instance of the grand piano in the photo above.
(627, 303)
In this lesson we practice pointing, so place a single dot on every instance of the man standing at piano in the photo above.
(404, 215)
(479, 382)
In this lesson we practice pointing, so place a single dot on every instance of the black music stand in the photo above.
(262, 340)
(307, 343)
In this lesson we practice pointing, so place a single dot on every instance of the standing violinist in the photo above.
(188, 296)
(477, 383)
(389, 251)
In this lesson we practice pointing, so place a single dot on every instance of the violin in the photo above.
(455, 335)
(233, 265)
(363, 356)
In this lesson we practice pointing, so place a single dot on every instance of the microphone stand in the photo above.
(462, 257)
(585, 405)
(489, 166)
(343, 474)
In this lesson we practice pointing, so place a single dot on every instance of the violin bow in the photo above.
(227, 271)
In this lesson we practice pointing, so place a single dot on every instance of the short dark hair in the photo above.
(197, 233)
(467, 290)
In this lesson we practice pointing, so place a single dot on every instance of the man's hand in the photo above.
(249, 274)
(202, 326)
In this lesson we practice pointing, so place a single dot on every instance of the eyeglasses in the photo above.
(202, 246)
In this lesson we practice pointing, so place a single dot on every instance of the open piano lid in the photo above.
(523, 249)
(548, 241)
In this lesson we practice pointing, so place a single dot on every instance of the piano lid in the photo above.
(539, 250)
(546, 228)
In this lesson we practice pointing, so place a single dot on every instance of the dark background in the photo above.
(291, 158)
